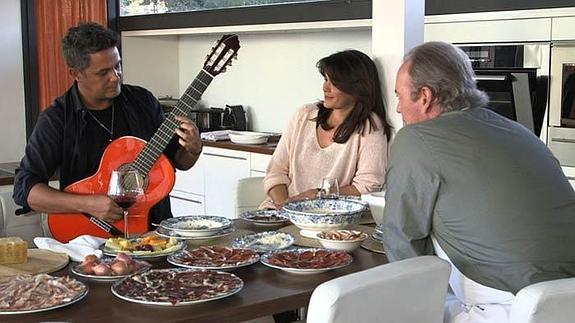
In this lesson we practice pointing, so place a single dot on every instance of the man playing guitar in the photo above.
(72, 134)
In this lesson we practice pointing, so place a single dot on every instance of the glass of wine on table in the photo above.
(124, 188)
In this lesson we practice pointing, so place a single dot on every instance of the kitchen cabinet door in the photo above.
(223, 168)
(191, 180)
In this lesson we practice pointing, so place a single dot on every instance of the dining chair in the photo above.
(26, 226)
(249, 194)
(411, 290)
(546, 302)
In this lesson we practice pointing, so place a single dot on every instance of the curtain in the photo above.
(53, 18)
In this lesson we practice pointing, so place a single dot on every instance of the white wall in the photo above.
(12, 120)
(274, 74)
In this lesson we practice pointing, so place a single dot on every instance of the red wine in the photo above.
(125, 202)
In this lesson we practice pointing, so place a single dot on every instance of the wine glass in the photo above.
(329, 188)
(124, 188)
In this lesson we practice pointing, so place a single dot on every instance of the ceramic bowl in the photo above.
(324, 214)
(346, 240)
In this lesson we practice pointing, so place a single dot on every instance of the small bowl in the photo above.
(346, 240)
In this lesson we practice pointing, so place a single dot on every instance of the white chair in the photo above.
(249, 194)
(26, 226)
(407, 291)
(546, 302)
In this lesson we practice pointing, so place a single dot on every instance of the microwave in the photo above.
(561, 138)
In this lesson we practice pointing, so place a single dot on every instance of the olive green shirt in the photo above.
(489, 190)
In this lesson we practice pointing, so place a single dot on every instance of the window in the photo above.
(145, 7)
(174, 14)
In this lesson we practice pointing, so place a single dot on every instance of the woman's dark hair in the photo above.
(354, 73)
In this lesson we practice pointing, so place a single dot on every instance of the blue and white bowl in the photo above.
(324, 214)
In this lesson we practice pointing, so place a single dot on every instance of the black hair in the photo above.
(85, 39)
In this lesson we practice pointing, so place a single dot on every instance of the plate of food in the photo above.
(110, 268)
(30, 294)
(173, 234)
(149, 247)
(264, 241)
(214, 257)
(306, 260)
(164, 286)
(196, 225)
(265, 217)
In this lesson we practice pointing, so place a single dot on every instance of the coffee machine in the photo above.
(234, 118)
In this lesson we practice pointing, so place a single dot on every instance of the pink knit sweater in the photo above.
(300, 163)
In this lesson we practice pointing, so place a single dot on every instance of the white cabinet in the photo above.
(562, 28)
(570, 173)
(223, 168)
(209, 187)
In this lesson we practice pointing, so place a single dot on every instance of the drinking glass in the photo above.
(124, 188)
(329, 188)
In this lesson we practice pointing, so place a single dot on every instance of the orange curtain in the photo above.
(53, 18)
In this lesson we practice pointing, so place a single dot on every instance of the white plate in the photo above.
(176, 271)
(265, 260)
(176, 259)
(265, 217)
(76, 270)
(183, 225)
(70, 302)
(163, 232)
(257, 243)
(147, 255)
(248, 137)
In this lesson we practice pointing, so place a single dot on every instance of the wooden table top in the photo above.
(266, 291)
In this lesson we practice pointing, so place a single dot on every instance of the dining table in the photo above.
(266, 291)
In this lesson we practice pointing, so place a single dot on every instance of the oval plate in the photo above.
(163, 232)
(257, 241)
(265, 217)
(265, 260)
(147, 255)
(77, 271)
(186, 258)
(184, 225)
(168, 277)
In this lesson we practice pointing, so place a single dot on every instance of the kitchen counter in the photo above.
(267, 148)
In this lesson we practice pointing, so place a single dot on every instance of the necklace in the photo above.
(109, 130)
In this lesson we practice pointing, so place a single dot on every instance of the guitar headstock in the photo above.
(221, 55)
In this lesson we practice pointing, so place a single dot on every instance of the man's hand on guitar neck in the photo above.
(43, 198)
(190, 144)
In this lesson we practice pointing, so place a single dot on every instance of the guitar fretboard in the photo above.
(164, 134)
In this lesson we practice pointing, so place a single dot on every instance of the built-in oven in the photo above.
(562, 106)
(516, 78)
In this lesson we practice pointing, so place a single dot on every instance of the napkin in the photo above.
(77, 248)
(215, 135)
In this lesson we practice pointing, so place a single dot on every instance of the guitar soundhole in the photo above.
(140, 176)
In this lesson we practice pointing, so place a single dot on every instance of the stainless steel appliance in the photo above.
(562, 106)
(515, 76)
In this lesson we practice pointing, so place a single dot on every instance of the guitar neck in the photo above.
(164, 134)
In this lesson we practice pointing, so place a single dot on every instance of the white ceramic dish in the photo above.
(248, 137)
(196, 225)
(187, 259)
(264, 241)
(147, 255)
(265, 259)
(75, 299)
(78, 271)
(163, 232)
(345, 245)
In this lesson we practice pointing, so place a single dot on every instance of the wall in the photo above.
(12, 122)
(274, 74)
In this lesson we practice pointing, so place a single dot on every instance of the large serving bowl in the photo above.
(317, 215)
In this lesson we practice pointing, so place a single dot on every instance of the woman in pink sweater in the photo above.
(344, 136)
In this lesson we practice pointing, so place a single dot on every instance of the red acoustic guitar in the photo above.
(146, 158)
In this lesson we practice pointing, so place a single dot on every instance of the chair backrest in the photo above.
(546, 302)
(249, 194)
(411, 290)
(26, 226)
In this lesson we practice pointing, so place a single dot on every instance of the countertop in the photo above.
(267, 148)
